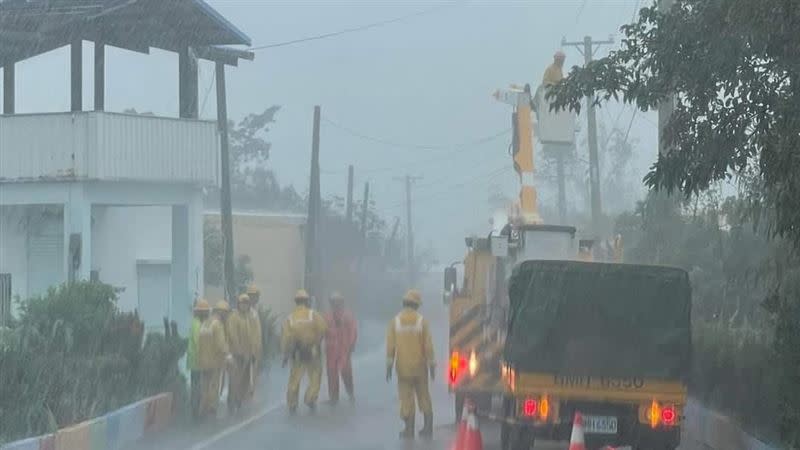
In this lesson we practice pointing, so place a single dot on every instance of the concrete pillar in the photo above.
(99, 76)
(76, 75)
(77, 234)
(180, 310)
(9, 88)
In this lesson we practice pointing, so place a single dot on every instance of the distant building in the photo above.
(276, 247)
(88, 194)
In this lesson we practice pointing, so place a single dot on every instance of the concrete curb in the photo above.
(112, 431)
(716, 431)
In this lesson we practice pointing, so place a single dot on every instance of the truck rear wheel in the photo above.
(515, 437)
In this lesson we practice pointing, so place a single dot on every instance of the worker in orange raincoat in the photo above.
(213, 354)
(339, 344)
(242, 331)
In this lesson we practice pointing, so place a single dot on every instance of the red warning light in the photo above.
(529, 407)
(668, 415)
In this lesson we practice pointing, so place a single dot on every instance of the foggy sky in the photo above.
(423, 81)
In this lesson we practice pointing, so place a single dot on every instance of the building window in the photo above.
(5, 298)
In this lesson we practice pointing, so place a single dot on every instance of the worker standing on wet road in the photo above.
(213, 355)
(339, 343)
(301, 342)
(409, 348)
(199, 315)
(257, 339)
(241, 331)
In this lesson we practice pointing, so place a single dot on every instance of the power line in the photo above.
(390, 143)
(349, 30)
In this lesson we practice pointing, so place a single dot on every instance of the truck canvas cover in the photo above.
(611, 320)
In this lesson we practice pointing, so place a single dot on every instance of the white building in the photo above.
(98, 195)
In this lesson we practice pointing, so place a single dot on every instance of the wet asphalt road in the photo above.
(372, 423)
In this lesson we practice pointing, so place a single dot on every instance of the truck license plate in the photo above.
(600, 424)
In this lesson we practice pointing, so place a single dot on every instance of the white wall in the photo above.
(13, 257)
(124, 235)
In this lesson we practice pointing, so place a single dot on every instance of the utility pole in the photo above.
(562, 188)
(349, 206)
(364, 209)
(225, 191)
(409, 180)
(312, 226)
(588, 48)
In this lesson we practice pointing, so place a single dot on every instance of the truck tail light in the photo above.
(544, 408)
(529, 407)
(654, 414)
(454, 363)
(537, 408)
(473, 364)
(457, 365)
(668, 415)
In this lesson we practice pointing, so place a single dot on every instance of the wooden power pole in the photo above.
(312, 274)
(349, 205)
(225, 191)
(587, 48)
(412, 272)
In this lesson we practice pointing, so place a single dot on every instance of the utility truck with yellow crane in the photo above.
(539, 329)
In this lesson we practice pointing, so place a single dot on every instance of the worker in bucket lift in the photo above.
(554, 72)
(301, 341)
(410, 349)
(213, 356)
(339, 344)
(241, 333)
(258, 343)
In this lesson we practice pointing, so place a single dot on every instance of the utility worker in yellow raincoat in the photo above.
(301, 341)
(554, 72)
(258, 343)
(213, 354)
(410, 349)
(200, 313)
(242, 336)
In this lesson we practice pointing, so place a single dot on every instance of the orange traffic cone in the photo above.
(461, 431)
(576, 440)
(472, 436)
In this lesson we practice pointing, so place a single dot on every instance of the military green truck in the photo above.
(612, 341)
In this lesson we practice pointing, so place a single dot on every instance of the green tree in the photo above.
(253, 184)
(213, 260)
(733, 67)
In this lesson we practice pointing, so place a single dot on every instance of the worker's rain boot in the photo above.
(427, 429)
(408, 431)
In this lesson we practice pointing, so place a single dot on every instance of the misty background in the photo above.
(410, 97)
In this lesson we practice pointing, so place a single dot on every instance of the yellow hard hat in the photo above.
(244, 298)
(202, 305)
(301, 294)
(222, 305)
(252, 289)
(413, 296)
